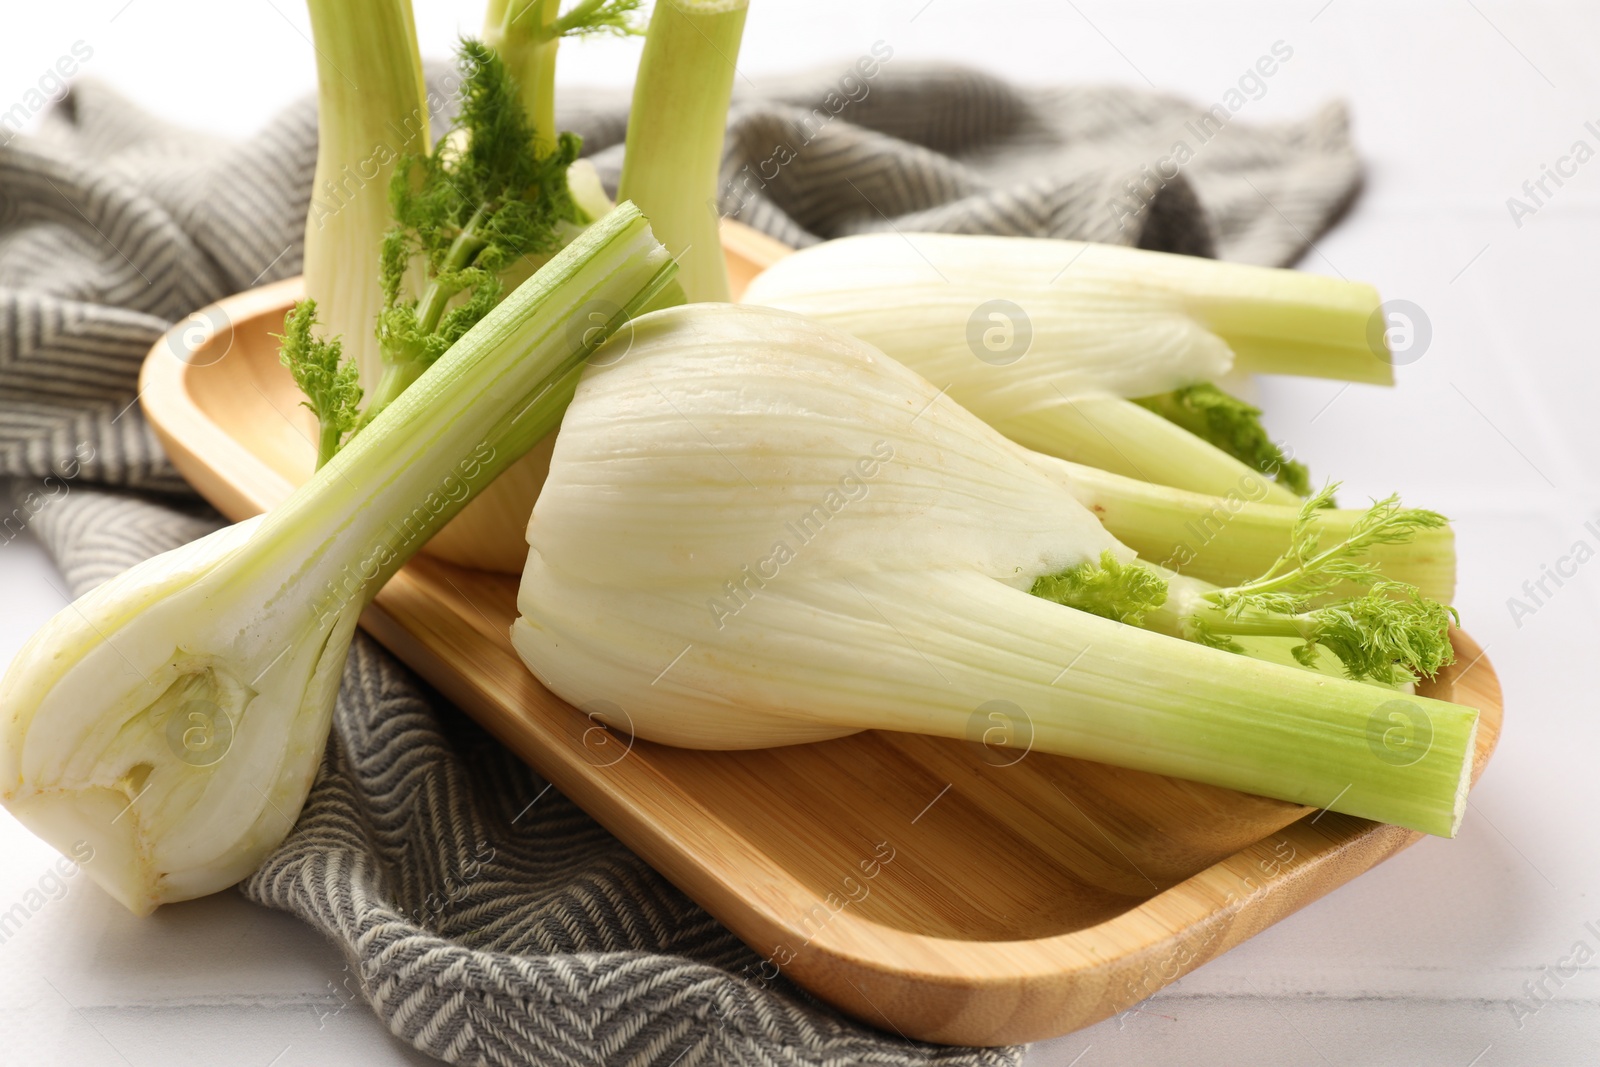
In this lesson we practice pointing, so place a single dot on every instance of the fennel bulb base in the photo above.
(70, 821)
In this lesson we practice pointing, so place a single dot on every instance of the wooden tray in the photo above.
(930, 887)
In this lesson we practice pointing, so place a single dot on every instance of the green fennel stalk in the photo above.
(526, 33)
(1160, 440)
(468, 220)
(1235, 537)
(372, 111)
(675, 131)
(432, 237)
(1332, 597)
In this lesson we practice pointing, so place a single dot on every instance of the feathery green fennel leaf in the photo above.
(468, 211)
(1112, 590)
(1387, 631)
(612, 18)
(1234, 427)
(327, 380)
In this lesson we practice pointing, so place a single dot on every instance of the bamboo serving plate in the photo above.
(941, 889)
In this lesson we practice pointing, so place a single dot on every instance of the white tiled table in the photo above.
(1456, 105)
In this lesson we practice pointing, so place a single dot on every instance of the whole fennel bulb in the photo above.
(1095, 353)
(758, 530)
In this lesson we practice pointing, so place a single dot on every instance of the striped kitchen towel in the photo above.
(485, 928)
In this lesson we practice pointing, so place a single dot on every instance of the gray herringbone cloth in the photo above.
(563, 948)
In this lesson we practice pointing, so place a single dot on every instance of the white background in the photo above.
(1456, 104)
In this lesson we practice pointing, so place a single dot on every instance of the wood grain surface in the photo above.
(927, 886)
